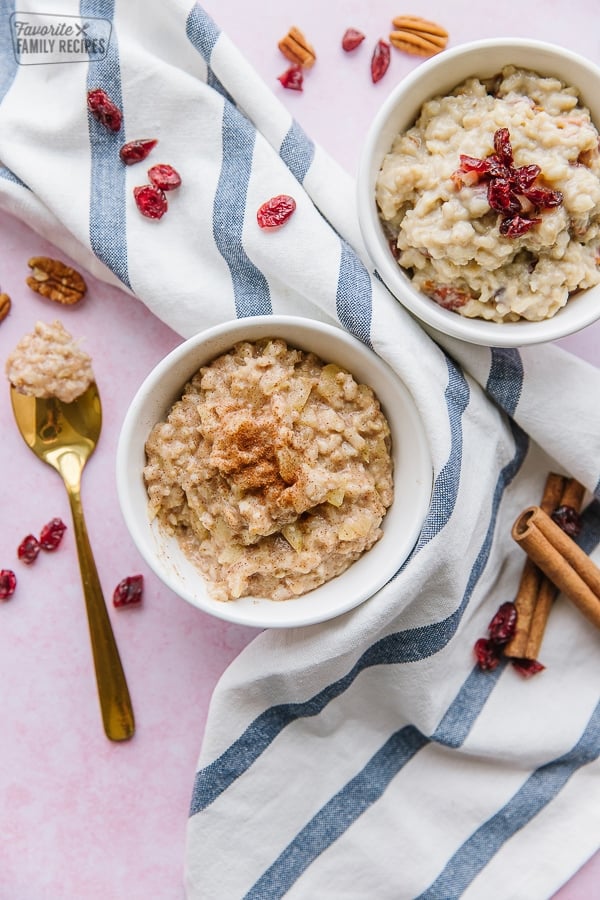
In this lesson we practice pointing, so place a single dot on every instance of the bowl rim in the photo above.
(476, 331)
(198, 350)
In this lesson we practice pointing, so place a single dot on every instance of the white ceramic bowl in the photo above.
(412, 474)
(438, 76)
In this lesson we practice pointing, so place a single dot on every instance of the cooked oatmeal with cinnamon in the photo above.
(273, 470)
(49, 363)
(492, 199)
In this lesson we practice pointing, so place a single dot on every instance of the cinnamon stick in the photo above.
(572, 495)
(568, 567)
(535, 593)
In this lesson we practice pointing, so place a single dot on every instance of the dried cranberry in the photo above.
(496, 168)
(28, 549)
(474, 164)
(150, 201)
(276, 211)
(103, 108)
(351, 39)
(502, 198)
(567, 518)
(51, 534)
(292, 78)
(164, 177)
(448, 297)
(515, 226)
(527, 667)
(8, 583)
(136, 151)
(128, 592)
(524, 176)
(380, 61)
(503, 146)
(543, 198)
(504, 624)
(487, 654)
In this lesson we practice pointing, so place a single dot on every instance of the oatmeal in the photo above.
(273, 470)
(49, 363)
(492, 199)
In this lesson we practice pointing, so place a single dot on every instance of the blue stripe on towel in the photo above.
(203, 34)
(354, 298)
(297, 151)
(250, 287)
(539, 789)
(505, 379)
(108, 234)
(10, 176)
(589, 537)
(401, 647)
(446, 484)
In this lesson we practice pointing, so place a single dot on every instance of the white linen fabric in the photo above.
(367, 757)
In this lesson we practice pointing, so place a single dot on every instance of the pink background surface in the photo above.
(81, 817)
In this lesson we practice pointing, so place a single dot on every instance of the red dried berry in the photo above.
(503, 147)
(351, 39)
(567, 518)
(150, 201)
(136, 151)
(474, 164)
(276, 211)
(28, 549)
(487, 654)
(164, 177)
(515, 226)
(504, 624)
(103, 108)
(502, 198)
(8, 583)
(128, 592)
(292, 78)
(380, 61)
(543, 198)
(51, 534)
(527, 667)
(448, 297)
(524, 176)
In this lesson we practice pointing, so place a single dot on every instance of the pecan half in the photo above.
(296, 48)
(53, 279)
(5, 305)
(418, 36)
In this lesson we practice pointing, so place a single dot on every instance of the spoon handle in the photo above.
(115, 702)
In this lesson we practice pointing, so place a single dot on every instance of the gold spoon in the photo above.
(64, 435)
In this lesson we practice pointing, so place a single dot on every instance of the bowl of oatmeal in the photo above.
(479, 192)
(273, 471)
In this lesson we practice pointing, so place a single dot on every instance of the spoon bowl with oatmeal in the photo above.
(479, 192)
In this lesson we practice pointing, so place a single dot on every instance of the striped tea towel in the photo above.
(366, 757)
